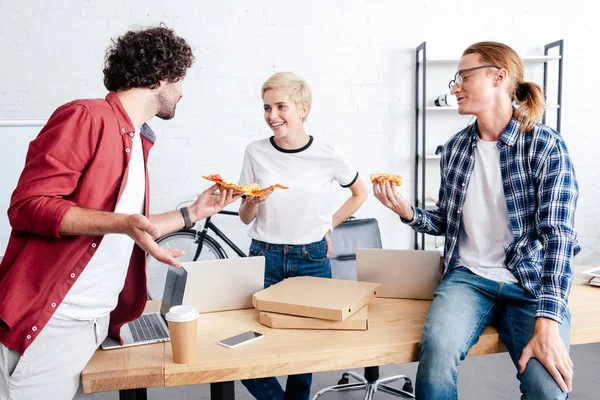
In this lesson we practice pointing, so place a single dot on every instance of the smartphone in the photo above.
(240, 339)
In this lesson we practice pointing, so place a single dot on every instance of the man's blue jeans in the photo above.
(464, 304)
(285, 261)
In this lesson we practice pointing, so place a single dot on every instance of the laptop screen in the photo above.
(174, 288)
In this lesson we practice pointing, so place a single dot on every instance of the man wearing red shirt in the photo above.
(74, 268)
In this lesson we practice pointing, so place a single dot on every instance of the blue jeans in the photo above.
(463, 305)
(286, 261)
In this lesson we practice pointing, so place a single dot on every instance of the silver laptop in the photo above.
(152, 327)
(220, 285)
(404, 274)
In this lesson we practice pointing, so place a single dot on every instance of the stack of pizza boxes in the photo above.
(316, 303)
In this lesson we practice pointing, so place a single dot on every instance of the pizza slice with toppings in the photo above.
(381, 178)
(252, 189)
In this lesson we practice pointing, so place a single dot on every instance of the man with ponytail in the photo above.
(506, 206)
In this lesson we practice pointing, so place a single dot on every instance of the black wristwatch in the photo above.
(186, 218)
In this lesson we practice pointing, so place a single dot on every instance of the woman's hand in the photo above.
(258, 200)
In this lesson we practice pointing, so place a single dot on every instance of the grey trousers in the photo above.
(51, 367)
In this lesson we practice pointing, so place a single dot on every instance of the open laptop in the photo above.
(227, 284)
(153, 327)
(404, 274)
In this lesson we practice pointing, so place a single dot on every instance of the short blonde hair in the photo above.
(293, 85)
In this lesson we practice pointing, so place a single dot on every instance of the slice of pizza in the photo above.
(381, 178)
(252, 189)
(264, 191)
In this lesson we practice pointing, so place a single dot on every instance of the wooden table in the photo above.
(395, 328)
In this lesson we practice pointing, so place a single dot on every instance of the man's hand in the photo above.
(389, 197)
(547, 346)
(328, 240)
(258, 200)
(143, 233)
(210, 203)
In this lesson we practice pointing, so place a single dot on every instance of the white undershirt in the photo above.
(96, 291)
(303, 213)
(485, 227)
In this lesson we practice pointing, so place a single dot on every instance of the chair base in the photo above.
(370, 384)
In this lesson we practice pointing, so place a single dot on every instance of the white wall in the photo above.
(358, 56)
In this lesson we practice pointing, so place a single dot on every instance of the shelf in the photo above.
(444, 108)
(455, 108)
(22, 122)
(525, 59)
(431, 156)
(429, 204)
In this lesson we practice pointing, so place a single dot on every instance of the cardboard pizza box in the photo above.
(356, 322)
(322, 298)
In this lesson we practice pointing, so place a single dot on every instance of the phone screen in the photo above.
(241, 338)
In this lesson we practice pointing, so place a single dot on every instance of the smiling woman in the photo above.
(290, 228)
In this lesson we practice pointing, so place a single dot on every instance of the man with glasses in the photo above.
(458, 78)
(506, 207)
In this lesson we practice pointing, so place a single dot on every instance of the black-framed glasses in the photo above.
(458, 79)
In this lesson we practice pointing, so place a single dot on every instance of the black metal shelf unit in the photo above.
(421, 114)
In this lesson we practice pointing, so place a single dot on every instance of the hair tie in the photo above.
(522, 91)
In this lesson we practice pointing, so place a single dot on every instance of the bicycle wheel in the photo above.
(185, 239)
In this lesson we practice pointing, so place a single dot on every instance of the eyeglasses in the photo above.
(458, 79)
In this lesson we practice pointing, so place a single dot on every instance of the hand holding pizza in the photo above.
(258, 199)
(211, 201)
(385, 191)
(252, 189)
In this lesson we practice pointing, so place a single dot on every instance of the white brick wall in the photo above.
(358, 56)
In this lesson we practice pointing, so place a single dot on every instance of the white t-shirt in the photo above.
(96, 291)
(485, 228)
(303, 213)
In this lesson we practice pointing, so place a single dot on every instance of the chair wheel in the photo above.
(344, 380)
(408, 387)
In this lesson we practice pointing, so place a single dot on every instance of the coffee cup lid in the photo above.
(182, 314)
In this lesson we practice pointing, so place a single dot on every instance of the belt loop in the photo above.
(97, 331)
(266, 246)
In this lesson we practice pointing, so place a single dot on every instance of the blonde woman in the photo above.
(507, 204)
(290, 228)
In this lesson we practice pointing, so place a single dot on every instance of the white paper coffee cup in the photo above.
(183, 327)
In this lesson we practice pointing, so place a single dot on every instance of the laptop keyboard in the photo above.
(147, 327)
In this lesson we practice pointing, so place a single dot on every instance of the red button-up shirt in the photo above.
(80, 158)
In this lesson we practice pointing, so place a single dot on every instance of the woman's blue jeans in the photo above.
(286, 261)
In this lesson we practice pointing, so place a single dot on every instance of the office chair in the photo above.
(350, 235)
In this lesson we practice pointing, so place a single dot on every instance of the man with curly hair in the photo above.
(74, 268)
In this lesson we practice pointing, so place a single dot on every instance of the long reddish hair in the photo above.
(528, 95)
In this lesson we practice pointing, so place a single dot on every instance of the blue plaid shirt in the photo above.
(541, 196)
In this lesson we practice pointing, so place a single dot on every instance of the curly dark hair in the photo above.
(145, 57)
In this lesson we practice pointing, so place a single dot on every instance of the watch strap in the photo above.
(186, 218)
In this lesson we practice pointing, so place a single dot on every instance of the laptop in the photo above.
(225, 284)
(404, 274)
(152, 327)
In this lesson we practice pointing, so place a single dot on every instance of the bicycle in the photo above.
(197, 244)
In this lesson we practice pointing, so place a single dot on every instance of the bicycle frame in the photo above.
(209, 225)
